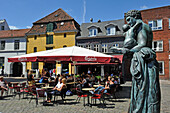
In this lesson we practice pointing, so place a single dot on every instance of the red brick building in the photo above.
(159, 20)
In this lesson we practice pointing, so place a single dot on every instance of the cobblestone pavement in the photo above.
(120, 105)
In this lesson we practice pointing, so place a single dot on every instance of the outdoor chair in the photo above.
(40, 93)
(62, 94)
(112, 92)
(80, 95)
(99, 97)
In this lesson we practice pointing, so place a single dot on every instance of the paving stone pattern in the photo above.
(13, 105)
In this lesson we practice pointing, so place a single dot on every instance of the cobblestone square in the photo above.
(13, 105)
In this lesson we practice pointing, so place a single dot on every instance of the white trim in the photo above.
(157, 48)
(163, 72)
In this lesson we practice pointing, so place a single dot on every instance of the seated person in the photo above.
(3, 86)
(46, 75)
(30, 78)
(57, 89)
(108, 84)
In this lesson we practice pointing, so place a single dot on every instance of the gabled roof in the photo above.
(63, 23)
(58, 15)
(102, 25)
(13, 33)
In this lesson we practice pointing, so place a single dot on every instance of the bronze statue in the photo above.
(145, 92)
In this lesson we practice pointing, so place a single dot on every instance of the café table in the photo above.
(97, 85)
(40, 84)
(88, 94)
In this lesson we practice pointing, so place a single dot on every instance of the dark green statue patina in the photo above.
(145, 92)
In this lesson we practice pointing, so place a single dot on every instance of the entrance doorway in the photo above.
(17, 69)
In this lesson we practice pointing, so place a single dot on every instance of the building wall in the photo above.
(4, 23)
(58, 42)
(10, 52)
(164, 34)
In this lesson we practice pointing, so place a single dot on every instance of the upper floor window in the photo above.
(16, 44)
(35, 49)
(48, 48)
(50, 27)
(64, 46)
(96, 47)
(157, 45)
(81, 46)
(35, 37)
(2, 28)
(115, 45)
(65, 35)
(2, 45)
(161, 67)
(49, 39)
(104, 48)
(155, 24)
(1, 62)
(111, 30)
(88, 46)
(169, 23)
(92, 32)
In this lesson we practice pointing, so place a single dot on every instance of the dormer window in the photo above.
(50, 27)
(93, 32)
(110, 30)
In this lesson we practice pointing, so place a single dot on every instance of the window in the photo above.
(88, 46)
(2, 28)
(155, 24)
(115, 45)
(1, 62)
(81, 46)
(48, 48)
(34, 65)
(104, 48)
(49, 39)
(35, 37)
(16, 44)
(169, 23)
(110, 30)
(96, 47)
(65, 35)
(92, 32)
(161, 67)
(64, 46)
(35, 49)
(2, 45)
(50, 27)
(157, 45)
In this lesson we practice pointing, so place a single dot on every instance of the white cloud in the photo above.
(13, 27)
(28, 26)
(69, 10)
(84, 13)
(143, 7)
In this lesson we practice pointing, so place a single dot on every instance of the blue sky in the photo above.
(22, 13)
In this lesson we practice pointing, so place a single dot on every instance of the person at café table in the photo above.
(30, 78)
(57, 89)
(3, 87)
(108, 84)
(46, 75)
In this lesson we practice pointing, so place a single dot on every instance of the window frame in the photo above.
(2, 48)
(49, 39)
(157, 49)
(93, 32)
(96, 47)
(163, 67)
(104, 48)
(111, 30)
(16, 44)
(155, 24)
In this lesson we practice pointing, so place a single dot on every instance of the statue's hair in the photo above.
(134, 13)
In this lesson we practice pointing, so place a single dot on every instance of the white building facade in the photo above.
(12, 43)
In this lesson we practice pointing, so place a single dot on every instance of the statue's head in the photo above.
(132, 16)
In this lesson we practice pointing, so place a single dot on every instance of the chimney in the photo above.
(91, 20)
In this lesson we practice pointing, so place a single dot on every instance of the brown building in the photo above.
(159, 20)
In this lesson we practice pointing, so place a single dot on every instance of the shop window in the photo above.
(34, 65)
